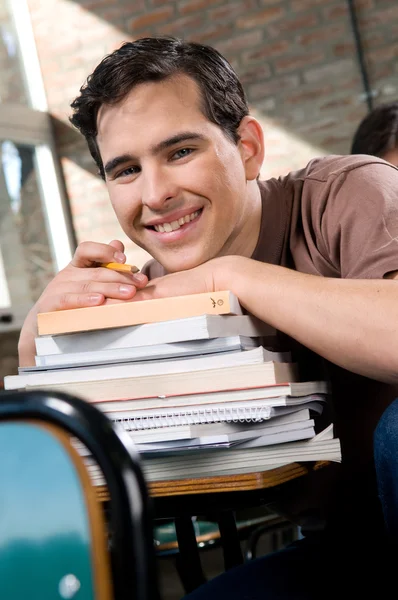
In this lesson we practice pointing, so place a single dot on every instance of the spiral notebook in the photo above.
(230, 412)
(291, 427)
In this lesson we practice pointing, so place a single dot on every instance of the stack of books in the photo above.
(193, 380)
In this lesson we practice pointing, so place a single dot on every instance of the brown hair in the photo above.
(377, 133)
(155, 59)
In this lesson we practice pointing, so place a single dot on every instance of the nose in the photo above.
(158, 187)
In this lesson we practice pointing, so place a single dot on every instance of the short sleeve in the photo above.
(359, 221)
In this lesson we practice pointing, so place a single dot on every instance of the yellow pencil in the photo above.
(120, 267)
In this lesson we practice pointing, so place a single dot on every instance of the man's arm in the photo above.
(352, 323)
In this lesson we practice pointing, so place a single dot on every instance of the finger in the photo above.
(122, 291)
(138, 279)
(89, 254)
(95, 280)
(103, 274)
(109, 276)
(118, 245)
(90, 298)
(68, 301)
(85, 293)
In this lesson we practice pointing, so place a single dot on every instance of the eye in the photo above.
(182, 153)
(128, 172)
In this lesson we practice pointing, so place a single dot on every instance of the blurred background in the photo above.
(311, 69)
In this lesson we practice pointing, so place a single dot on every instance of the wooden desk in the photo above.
(225, 483)
(218, 497)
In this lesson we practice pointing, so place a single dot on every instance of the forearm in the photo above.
(352, 323)
(26, 344)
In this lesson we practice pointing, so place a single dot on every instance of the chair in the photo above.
(274, 529)
(56, 540)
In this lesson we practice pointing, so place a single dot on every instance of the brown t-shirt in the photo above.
(337, 217)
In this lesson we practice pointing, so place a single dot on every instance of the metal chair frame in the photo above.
(129, 512)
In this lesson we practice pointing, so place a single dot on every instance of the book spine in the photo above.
(106, 390)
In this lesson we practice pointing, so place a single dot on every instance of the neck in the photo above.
(245, 237)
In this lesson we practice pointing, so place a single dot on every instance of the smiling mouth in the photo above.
(168, 227)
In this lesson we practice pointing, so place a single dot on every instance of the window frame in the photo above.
(32, 125)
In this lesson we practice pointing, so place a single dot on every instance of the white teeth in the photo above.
(174, 225)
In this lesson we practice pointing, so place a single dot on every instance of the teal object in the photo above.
(45, 540)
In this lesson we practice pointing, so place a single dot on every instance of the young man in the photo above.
(313, 253)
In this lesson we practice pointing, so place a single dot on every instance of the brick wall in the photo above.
(295, 57)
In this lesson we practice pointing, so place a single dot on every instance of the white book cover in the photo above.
(253, 413)
(211, 443)
(235, 460)
(232, 461)
(125, 387)
(127, 370)
(284, 433)
(234, 431)
(255, 410)
(179, 350)
(165, 332)
(288, 393)
(238, 456)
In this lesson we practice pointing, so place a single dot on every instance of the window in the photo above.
(36, 237)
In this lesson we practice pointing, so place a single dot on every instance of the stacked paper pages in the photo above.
(202, 394)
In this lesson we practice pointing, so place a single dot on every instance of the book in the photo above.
(224, 431)
(233, 461)
(130, 370)
(237, 460)
(230, 412)
(138, 312)
(281, 393)
(290, 433)
(200, 328)
(102, 388)
(293, 426)
(157, 352)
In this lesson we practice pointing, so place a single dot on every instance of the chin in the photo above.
(181, 263)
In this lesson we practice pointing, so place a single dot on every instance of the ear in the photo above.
(251, 146)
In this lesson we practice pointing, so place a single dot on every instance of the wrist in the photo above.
(230, 273)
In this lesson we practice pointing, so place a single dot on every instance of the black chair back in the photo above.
(128, 510)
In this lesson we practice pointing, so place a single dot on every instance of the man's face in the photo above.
(176, 182)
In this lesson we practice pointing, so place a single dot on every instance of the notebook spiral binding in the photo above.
(195, 417)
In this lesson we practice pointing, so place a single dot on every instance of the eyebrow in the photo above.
(156, 149)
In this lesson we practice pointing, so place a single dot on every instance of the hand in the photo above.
(82, 283)
(214, 275)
